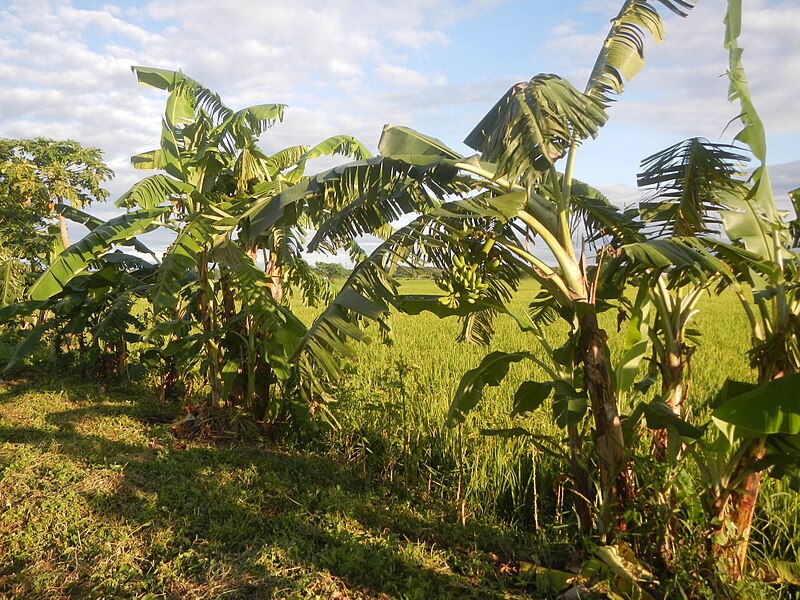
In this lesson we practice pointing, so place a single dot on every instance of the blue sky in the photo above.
(351, 66)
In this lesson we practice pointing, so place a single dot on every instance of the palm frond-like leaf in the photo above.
(154, 191)
(30, 343)
(359, 198)
(534, 124)
(794, 195)
(285, 245)
(342, 145)
(250, 168)
(686, 258)
(688, 183)
(750, 268)
(493, 369)
(91, 222)
(285, 159)
(243, 128)
(622, 54)
(404, 141)
(370, 290)
(381, 193)
(187, 87)
(601, 221)
(364, 196)
(757, 218)
(80, 255)
(748, 220)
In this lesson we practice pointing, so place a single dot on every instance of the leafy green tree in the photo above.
(40, 179)
(513, 192)
(215, 307)
(331, 271)
(40, 175)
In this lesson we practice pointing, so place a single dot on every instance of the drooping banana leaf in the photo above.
(491, 372)
(688, 184)
(342, 145)
(153, 191)
(91, 223)
(771, 408)
(533, 125)
(79, 255)
(755, 220)
(622, 54)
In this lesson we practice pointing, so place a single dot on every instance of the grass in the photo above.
(420, 371)
(99, 497)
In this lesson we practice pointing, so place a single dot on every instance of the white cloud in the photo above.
(349, 67)
(401, 77)
(620, 194)
(682, 90)
(784, 178)
(418, 38)
(103, 21)
(66, 69)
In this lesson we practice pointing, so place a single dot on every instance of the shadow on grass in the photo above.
(247, 521)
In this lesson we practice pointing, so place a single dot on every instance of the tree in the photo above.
(516, 194)
(40, 175)
(688, 183)
(331, 271)
(770, 266)
(215, 307)
(37, 178)
(752, 419)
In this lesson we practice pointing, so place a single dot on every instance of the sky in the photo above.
(349, 67)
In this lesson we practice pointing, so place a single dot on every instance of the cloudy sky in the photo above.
(346, 66)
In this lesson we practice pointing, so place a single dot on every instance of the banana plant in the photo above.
(513, 193)
(210, 299)
(762, 258)
(94, 310)
(768, 262)
(122, 276)
(686, 184)
(672, 285)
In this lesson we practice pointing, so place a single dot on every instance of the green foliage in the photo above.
(689, 183)
(493, 368)
(765, 410)
(41, 181)
(331, 271)
(215, 309)
(218, 312)
(77, 258)
(104, 501)
(534, 124)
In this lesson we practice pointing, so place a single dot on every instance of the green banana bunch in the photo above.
(465, 282)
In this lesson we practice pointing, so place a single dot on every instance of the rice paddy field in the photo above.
(103, 496)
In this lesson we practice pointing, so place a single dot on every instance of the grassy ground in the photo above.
(99, 497)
